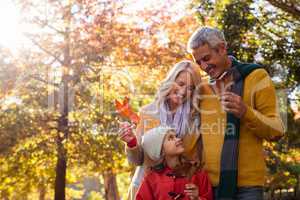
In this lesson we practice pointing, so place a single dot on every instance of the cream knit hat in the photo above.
(152, 141)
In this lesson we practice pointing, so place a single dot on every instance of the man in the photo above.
(238, 111)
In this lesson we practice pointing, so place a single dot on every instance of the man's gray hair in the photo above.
(205, 35)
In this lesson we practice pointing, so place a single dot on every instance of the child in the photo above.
(170, 179)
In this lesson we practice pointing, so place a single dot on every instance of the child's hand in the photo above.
(126, 132)
(192, 191)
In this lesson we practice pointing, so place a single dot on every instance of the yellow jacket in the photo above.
(261, 121)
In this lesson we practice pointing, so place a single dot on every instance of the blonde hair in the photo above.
(167, 84)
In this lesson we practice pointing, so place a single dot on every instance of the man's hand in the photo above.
(234, 104)
(191, 190)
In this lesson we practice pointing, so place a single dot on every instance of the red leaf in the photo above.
(124, 109)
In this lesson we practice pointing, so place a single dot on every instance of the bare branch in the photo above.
(46, 23)
(35, 77)
(291, 7)
(45, 50)
(274, 33)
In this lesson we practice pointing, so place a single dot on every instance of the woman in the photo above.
(175, 106)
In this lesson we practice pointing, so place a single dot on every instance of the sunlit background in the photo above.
(109, 49)
(11, 29)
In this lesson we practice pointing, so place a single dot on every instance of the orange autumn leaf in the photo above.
(124, 109)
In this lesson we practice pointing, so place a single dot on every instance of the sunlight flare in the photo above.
(11, 31)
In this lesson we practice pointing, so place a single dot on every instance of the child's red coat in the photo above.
(161, 185)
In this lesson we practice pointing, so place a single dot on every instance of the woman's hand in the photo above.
(191, 190)
(126, 132)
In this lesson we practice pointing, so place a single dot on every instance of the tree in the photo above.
(291, 7)
(83, 58)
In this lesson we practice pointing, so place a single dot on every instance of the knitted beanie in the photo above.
(152, 141)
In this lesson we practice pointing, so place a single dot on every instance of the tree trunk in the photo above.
(272, 194)
(63, 131)
(4, 195)
(280, 193)
(42, 192)
(61, 168)
(110, 186)
(297, 187)
(63, 128)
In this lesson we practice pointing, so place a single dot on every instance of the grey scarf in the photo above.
(179, 121)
